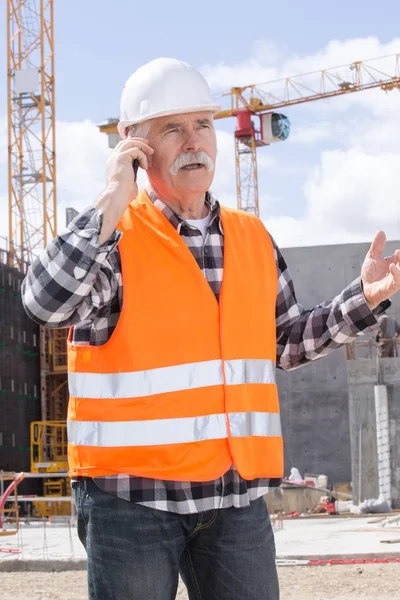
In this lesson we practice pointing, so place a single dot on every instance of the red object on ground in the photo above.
(352, 561)
(10, 550)
(330, 508)
(7, 492)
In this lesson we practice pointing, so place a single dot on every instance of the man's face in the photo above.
(171, 137)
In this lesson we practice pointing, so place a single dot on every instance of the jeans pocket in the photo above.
(79, 495)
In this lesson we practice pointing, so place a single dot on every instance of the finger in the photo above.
(136, 154)
(136, 143)
(378, 244)
(395, 271)
(118, 146)
(394, 259)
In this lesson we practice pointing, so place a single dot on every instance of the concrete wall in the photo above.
(362, 376)
(314, 398)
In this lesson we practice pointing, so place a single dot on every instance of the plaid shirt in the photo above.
(76, 282)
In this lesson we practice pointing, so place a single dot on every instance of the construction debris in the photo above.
(379, 505)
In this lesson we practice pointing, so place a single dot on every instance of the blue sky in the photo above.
(99, 44)
(315, 177)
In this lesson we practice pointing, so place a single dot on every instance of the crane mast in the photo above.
(32, 179)
(31, 127)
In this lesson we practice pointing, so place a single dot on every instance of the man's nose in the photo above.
(192, 141)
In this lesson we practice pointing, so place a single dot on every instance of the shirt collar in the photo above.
(177, 221)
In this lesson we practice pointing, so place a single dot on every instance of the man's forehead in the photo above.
(183, 118)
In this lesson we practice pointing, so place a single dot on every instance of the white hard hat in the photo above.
(163, 87)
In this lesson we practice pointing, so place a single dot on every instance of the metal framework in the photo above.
(53, 369)
(49, 447)
(383, 73)
(31, 127)
(246, 174)
(32, 185)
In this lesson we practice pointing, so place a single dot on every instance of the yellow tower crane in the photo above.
(33, 205)
(258, 125)
(31, 127)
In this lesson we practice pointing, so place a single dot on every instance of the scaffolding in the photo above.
(53, 368)
(49, 455)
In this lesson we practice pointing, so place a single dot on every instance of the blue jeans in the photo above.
(137, 553)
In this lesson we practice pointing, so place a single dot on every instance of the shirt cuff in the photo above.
(88, 225)
(355, 310)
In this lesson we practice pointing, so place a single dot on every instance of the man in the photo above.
(387, 336)
(180, 309)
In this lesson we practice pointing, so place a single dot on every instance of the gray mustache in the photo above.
(191, 158)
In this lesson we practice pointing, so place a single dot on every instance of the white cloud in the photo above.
(317, 132)
(376, 135)
(4, 219)
(355, 186)
(267, 65)
(224, 180)
(341, 52)
(349, 196)
(3, 141)
(3, 181)
(82, 152)
(265, 162)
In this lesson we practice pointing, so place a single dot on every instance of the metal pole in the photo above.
(378, 367)
(383, 441)
(37, 475)
(359, 463)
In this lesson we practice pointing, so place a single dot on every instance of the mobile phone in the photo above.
(135, 165)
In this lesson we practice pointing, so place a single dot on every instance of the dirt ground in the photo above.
(348, 582)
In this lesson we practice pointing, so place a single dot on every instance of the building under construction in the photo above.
(19, 374)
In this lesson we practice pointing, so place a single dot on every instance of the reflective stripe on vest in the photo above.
(172, 431)
(170, 379)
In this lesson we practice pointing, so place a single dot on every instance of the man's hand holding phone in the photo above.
(121, 175)
(121, 182)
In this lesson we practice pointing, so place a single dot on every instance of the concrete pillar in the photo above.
(383, 441)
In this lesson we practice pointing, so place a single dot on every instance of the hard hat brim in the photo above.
(214, 108)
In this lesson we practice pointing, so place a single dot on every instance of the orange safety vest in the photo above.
(185, 387)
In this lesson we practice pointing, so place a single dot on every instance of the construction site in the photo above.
(339, 504)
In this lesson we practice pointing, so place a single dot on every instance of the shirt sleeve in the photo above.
(305, 335)
(74, 279)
